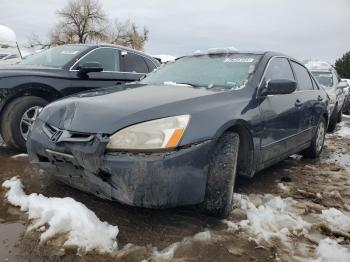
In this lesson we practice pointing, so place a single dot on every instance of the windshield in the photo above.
(324, 78)
(55, 57)
(228, 71)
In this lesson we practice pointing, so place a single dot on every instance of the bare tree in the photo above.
(82, 21)
(127, 34)
(34, 41)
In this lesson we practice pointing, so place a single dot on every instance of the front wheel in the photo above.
(17, 119)
(317, 141)
(221, 176)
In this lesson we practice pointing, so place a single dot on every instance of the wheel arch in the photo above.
(246, 152)
(31, 89)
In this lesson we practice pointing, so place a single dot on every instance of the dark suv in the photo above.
(27, 87)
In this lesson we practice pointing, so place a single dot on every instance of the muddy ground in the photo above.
(315, 185)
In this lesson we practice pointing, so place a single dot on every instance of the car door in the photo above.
(310, 99)
(280, 114)
(110, 59)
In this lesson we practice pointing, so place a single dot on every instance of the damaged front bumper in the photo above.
(154, 180)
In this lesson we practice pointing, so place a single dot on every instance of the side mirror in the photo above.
(279, 87)
(342, 84)
(90, 67)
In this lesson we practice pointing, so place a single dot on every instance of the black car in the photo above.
(178, 136)
(57, 72)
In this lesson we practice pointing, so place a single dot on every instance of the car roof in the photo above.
(92, 46)
(267, 54)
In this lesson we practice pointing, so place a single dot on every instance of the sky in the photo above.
(304, 29)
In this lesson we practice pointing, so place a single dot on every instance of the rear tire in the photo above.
(11, 120)
(340, 116)
(333, 121)
(317, 142)
(221, 176)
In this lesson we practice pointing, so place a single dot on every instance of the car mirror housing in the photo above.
(279, 87)
(343, 84)
(90, 67)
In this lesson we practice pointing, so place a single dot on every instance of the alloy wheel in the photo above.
(28, 119)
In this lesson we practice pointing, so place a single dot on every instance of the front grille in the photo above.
(57, 135)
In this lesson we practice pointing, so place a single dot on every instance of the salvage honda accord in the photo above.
(182, 134)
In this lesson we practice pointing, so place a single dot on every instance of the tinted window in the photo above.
(134, 63)
(107, 57)
(150, 64)
(303, 77)
(279, 68)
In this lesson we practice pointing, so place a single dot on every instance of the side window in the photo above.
(150, 64)
(303, 77)
(107, 57)
(134, 63)
(279, 68)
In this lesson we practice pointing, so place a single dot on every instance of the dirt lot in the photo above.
(184, 234)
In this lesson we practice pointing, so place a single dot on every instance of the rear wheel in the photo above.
(340, 116)
(333, 121)
(221, 176)
(17, 119)
(317, 142)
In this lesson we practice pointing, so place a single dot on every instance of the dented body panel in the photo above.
(154, 180)
(270, 129)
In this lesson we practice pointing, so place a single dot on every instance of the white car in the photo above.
(328, 78)
(346, 107)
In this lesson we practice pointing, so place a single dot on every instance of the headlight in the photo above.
(156, 134)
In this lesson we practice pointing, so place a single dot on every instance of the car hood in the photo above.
(24, 70)
(111, 109)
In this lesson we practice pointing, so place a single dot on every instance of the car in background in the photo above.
(182, 134)
(346, 107)
(51, 74)
(327, 76)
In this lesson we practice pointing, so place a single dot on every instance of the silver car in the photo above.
(328, 78)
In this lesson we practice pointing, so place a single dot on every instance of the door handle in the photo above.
(319, 98)
(119, 83)
(298, 103)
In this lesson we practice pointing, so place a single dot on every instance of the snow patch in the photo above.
(171, 83)
(329, 250)
(336, 219)
(166, 254)
(271, 219)
(283, 187)
(19, 156)
(344, 131)
(203, 236)
(63, 216)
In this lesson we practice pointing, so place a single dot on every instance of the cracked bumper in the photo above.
(156, 180)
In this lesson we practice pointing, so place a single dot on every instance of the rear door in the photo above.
(310, 98)
(112, 74)
(280, 113)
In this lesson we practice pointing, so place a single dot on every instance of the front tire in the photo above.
(17, 118)
(221, 176)
(317, 142)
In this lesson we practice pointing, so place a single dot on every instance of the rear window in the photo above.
(324, 78)
(303, 77)
(134, 63)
